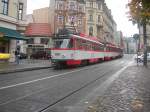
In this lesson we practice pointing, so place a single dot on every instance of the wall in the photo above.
(41, 15)
(11, 21)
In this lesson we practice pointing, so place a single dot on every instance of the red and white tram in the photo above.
(73, 50)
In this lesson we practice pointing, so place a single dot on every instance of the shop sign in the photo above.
(1, 35)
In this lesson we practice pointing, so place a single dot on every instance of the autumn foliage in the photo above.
(139, 10)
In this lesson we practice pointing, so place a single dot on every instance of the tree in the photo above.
(139, 11)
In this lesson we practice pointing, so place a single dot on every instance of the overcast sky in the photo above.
(118, 9)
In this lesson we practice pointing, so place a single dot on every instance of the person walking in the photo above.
(17, 56)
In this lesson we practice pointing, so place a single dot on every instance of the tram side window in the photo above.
(107, 48)
(84, 44)
(78, 44)
(63, 43)
(102, 47)
(70, 45)
(88, 45)
(57, 43)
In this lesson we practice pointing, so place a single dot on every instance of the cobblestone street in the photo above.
(129, 93)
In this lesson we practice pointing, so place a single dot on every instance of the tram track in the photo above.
(77, 90)
(65, 93)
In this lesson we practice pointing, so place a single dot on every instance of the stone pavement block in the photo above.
(129, 93)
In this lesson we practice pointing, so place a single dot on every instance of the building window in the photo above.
(60, 6)
(99, 18)
(44, 41)
(72, 6)
(91, 31)
(72, 19)
(20, 12)
(80, 9)
(80, 22)
(60, 19)
(30, 41)
(91, 4)
(5, 4)
(90, 17)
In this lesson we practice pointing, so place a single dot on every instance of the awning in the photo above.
(11, 34)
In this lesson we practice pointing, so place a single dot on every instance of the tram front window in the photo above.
(63, 43)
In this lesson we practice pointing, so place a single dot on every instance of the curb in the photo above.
(23, 70)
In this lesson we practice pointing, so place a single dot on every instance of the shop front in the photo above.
(8, 43)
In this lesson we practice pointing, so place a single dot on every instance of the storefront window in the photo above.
(4, 44)
(44, 40)
(30, 41)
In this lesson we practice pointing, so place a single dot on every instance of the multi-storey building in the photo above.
(94, 18)
(91, 17)
(41, 15)
(12, 20)
(68, 13)
(118, 39)
(100, 22)
(129, 45)
(39, 37)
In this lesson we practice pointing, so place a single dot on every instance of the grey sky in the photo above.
(118, 8)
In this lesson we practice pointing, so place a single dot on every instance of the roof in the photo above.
(11, 34)
(38, 29)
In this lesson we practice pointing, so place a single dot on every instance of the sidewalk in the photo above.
(24, 65)
(128, 93)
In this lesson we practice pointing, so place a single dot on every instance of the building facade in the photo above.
(130, 46)
(100, 22)
(41, 15)
(12, 21)
(118, 39)
(69, 14)
(39, 37)
(91, 17)
(94, 18)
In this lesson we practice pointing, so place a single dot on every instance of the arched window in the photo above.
(91, 31)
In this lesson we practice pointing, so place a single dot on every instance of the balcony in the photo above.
(99, 24)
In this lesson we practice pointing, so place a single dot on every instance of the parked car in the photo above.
(40, 55)
(22, 56)
(140, 58)
(137, 57)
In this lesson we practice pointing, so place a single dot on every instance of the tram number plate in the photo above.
(57, 54)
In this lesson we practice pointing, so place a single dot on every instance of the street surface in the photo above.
(49, 90)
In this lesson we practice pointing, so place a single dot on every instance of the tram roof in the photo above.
(65, 34)
(85, 38)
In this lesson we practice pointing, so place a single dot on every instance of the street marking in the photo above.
(32, 81)
(36, 80)
(42, 89)
(19, 84)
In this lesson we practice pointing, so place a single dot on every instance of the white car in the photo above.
(141, 58)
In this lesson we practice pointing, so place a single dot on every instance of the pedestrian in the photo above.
(17, 56)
